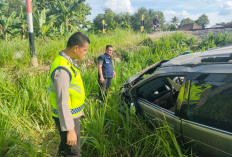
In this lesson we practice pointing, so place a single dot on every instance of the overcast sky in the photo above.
(216, 10)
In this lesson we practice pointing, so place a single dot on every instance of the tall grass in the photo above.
(15, 53)
(27, 128)
(25, 115)
(215, 40)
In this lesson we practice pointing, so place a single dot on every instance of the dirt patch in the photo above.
(160, 34)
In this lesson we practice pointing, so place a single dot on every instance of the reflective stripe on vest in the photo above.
(76, 88)
(73, 111)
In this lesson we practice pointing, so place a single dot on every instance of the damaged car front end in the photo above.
(125, 91)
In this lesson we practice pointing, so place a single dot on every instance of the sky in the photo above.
(217, 10)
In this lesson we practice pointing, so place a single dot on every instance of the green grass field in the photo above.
(27, 128)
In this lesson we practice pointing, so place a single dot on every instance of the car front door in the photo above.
(157, 98)
(157, 114)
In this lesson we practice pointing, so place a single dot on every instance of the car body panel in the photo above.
(208, 141)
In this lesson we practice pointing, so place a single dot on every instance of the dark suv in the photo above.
(193, 92)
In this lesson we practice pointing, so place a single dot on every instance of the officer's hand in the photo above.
(102, 79)
(83, 114)
(114, 75)
(71, 137)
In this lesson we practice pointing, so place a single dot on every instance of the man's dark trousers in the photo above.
(64, 149)
(104, 87)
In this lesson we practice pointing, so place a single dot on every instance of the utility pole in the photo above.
(142, 23)
(103, 27)
(31, 33)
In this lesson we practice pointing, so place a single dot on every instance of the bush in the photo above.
(147, 42)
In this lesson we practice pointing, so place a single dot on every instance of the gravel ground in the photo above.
(199, 33)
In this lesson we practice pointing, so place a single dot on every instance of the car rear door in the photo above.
(207, 141)
(207, 115)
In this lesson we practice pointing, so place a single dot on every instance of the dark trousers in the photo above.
(104, 87)
(64, 149)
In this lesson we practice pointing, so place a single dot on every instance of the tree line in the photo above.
(202, 21)
(50, 17)
(54, 18)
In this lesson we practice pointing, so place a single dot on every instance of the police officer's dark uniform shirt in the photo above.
(107, 66)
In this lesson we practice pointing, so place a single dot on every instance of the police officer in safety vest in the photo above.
(67, 94)
(105, 71)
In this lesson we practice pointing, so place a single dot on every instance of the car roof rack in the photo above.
(217, 59)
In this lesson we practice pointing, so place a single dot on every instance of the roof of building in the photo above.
(190, 26)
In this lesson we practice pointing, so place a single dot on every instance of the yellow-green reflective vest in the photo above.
(76, 89)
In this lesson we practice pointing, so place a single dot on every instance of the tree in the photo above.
(64, 14)
(136, 19)
(202, 20)
(175, 20)
(172, 27)
(148, 21)
(9, 6)
(174, 24)
(12, 19)
(97, 22)
(23, 19)
(225, 24)
(9, 26)
(57, 15)
(109, 19)
(112, 20)
(186, 21)
(123, 20)
(42, 26)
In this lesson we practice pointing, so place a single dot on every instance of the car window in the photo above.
(162, 91)
(210, 101)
